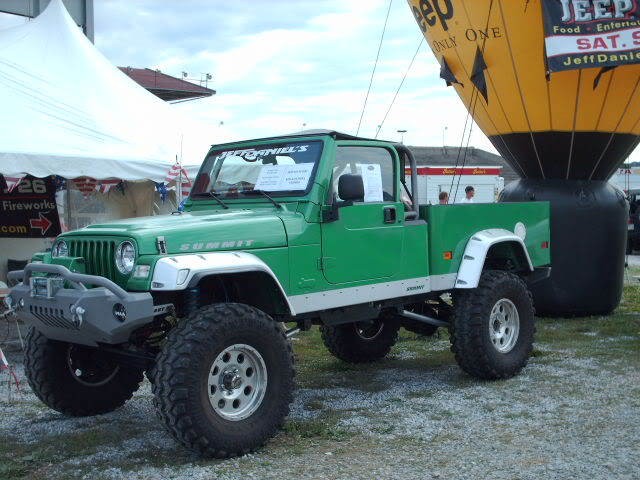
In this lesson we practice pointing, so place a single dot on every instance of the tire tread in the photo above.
(467, 324)
(40, 355)
(172, 369)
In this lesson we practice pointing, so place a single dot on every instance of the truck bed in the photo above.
(451, 227)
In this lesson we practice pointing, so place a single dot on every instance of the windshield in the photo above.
(278, 168)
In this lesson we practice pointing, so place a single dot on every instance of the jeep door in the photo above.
(366, 241)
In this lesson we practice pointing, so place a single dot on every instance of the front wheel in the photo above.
(74, 379)
(223, 380)
(493, 326)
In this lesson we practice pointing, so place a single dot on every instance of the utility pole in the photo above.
(80, 10)
(444, 147)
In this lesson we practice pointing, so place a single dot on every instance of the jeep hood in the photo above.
(196, 231)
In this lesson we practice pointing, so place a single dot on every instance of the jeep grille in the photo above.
(98, 256)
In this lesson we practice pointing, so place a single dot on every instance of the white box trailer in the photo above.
(432, 180)
(626, 178)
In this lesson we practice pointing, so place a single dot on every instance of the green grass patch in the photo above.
(314, 404)
(630, 302)
(602, 338)
(517, 415)
(20, 460)
(324, 428)
(586, 329)
(421, 394)
(536, 353)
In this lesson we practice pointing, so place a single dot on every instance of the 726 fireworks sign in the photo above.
(29, 210)
(591, 33)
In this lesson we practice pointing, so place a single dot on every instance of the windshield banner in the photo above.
(591, 33)
(251, 154)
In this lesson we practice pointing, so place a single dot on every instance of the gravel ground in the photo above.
(574, 413)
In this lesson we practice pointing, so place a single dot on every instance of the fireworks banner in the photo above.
(28, 208)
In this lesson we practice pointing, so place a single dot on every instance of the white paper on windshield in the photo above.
(281, 178)
(372, 179)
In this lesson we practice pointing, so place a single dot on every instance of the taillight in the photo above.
(545, 245)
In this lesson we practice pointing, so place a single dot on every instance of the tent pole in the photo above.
(67, 207)
(179, 184)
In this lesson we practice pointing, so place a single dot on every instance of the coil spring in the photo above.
(192, 301)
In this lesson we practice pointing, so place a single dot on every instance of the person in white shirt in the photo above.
(469, 193)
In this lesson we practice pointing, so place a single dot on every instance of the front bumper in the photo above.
(104, 314)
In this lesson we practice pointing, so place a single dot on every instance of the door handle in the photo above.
(390, 215)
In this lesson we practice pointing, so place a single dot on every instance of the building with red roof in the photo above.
(166, 87)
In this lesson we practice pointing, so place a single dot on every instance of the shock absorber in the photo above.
(192, 300)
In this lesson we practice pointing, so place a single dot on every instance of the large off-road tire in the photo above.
(74, 379)
(493, 326)
(223, 380)
(361, 342)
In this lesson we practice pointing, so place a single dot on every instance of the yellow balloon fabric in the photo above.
(577, 124)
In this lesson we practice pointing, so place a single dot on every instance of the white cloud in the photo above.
(279, 64)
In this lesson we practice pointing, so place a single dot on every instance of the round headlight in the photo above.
(60, 249)
(125, 257)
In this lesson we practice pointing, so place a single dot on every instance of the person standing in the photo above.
(469, 192)
(443, 197)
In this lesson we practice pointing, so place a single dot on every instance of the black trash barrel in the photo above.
(588, 241)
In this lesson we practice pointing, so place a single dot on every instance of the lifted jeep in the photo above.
(317, 228)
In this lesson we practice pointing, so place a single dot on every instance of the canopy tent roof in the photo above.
(66, 110)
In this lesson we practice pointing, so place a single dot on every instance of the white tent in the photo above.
(66, 110)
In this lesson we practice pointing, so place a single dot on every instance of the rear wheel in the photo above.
(361, 342)
(223, 380)
(492, 328)
(74, 379)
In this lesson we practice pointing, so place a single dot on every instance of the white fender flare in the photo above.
(176, 272)
(476, 251)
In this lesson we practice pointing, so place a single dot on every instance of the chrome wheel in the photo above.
(237, 382)
(369, 330)
(504, 325)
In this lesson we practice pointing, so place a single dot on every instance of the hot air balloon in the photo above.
(555, 86)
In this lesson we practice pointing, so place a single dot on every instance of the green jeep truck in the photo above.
(317, 228)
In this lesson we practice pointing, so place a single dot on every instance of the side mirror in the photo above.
(351, 188)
